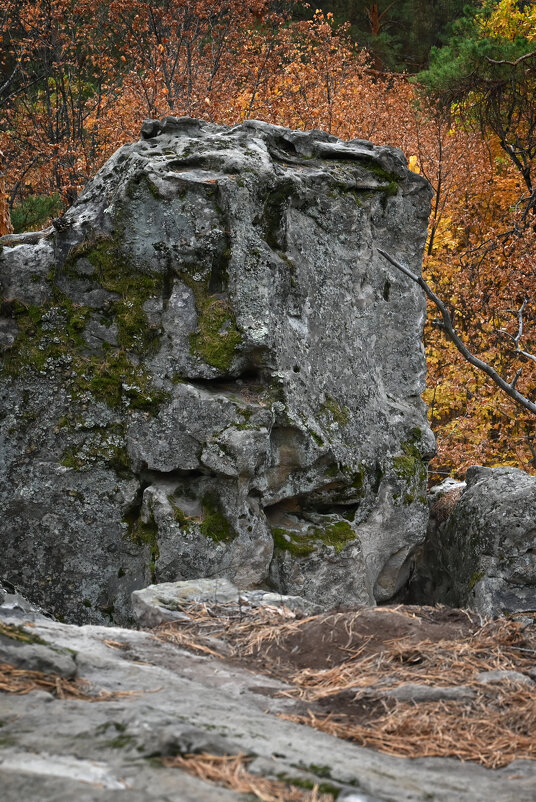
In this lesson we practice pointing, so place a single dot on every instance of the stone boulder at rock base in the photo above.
(482, 554)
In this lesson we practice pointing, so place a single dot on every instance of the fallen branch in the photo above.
(448, 327)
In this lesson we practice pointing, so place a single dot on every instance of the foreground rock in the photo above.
(209, 371)
(481, 546)
(171, 702)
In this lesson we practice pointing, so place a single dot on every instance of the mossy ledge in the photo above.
(212, 523)
(335, 535)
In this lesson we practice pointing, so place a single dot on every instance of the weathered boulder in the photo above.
(482, 553)
(209, 371)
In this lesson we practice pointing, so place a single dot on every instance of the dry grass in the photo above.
(231, 771)
(496, 646)
(21, 681)
(495, 727)
(244, 628)
(492, 734)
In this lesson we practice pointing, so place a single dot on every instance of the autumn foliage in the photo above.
(78, 78)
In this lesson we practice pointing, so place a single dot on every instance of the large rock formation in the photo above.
(209, 371)
(481, 546)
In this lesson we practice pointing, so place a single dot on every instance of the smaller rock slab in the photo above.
(168, 601)
(492, 677)
(414, 692)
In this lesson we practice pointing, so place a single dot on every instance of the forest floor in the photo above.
(410, 681)
(234, 702)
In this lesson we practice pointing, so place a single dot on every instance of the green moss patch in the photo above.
(336, 535)
(145, 533)
(212, 523)
(218, 338)
(411, 468)
(410, 465)
(390, 179)
(215, 525)
(309, 784)
(114, 274)
(337, 412)
(51, 338)
(48, 335)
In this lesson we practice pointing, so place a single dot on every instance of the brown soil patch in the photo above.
(324, 641)
(341, 667)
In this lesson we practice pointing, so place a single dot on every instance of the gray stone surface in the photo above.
(210, 372)
(481, 553)
(13, 603)
(175, 701)
(37, 657)
(491, 677)
(157, 604)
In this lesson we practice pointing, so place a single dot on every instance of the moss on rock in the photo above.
(116, 275)
(335, 535)
(145, 533)
(100, 445)
(218, 338)
(215, 525)
(338, 412)
(51, 338)
(212, 523)
(411, 468)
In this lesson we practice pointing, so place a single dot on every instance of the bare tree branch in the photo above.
(508, 387)
(512, 63)
(517, 337)
(519, 314)
(26, 238)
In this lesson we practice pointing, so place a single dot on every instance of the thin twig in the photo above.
(448, 327)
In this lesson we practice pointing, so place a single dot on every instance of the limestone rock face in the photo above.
(483, 554)
(210, 372)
